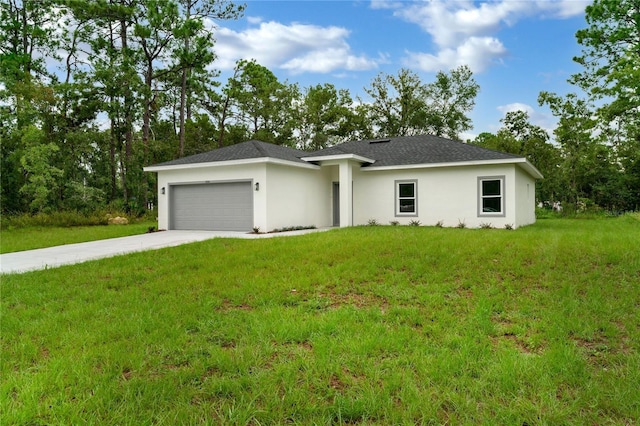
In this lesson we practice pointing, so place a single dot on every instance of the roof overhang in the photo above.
(263, 160)
(337, 157)
(521, 162)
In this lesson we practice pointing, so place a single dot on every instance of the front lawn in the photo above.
(35, 237)
(368, 325)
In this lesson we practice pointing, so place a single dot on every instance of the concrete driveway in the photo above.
(52, 257)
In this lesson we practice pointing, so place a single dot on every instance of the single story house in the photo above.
(405, 179)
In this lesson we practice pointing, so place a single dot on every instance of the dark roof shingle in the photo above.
(400, 151)
(241, 151)
(409, 150)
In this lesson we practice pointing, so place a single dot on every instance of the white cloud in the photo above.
(476, 52)
(516, 106)
(254, 19)
(458, 28)
(295, 47)
(327, 60)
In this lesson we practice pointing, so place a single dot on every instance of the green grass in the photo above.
(34, 237)
(367, 325)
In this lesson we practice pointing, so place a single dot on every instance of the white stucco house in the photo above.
(414, 178)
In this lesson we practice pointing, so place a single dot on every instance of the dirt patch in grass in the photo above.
(506, 331)
(336, 383)
(228, 306)
(596, 348)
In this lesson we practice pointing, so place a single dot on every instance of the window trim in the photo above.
(481, 196)
(397, 184)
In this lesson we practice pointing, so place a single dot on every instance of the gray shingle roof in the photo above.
(409, 150)
(241, 151)
(400, 151)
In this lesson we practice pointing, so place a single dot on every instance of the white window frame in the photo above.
(414, 213)
(482, 197)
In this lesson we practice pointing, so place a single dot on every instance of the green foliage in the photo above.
(27, 232)
(149, 63)
(610, 73)
(518, 136)
(450, 98)
(398, 106)
(64, 218)
(403, 105)
(263, 103)
(325, 117)
(41, 177)
(445, 326)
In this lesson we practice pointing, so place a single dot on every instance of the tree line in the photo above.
(595, 160)
(136, 84)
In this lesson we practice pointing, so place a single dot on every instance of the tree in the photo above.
(398, 107)
(450, 98)
(518, 136)
(611, 75)
(611, 59)
(402, 105)
(28, 34)
(263, 104)
(195, 51)
(112, 73)
(590, 172)
(325, 117)
(41, 177)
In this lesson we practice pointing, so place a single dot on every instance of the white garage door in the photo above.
(213, 207)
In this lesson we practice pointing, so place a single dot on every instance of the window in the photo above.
(407, 198)
(491, 196)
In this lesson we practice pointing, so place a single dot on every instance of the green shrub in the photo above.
(68, 218)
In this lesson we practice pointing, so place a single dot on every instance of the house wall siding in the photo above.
(293, 196)
(247, 172)
(297, 197)
(445, 194)
(525, 198)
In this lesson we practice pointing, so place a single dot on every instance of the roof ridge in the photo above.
(258, 145)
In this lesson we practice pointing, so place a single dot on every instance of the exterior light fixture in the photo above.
(257, 186)
(163, 190)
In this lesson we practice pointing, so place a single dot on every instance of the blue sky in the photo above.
(516, 48)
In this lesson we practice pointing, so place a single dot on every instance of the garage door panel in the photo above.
(224, 206)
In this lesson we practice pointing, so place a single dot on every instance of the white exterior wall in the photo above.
(247, 172)
(447, 194)
(297, 197)
(525, 198)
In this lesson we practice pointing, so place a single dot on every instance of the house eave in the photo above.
(262, 160)
(521, 162)
(326, 158)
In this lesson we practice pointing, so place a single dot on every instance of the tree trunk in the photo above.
(128, 111)
(183, 87)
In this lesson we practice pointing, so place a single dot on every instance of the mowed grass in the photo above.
(30, 238)
(368, 325)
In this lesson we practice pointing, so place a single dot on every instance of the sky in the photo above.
(515, 48)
